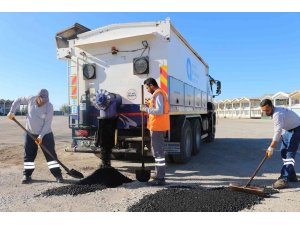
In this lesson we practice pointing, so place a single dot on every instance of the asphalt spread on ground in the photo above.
(100, 179)
(169, 199)
(196, 200)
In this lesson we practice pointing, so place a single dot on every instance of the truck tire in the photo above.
(211, 129)
(196, 130)
(186, 144)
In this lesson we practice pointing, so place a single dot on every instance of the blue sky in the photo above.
(251, 53)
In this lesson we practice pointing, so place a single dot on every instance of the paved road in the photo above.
(239, 146)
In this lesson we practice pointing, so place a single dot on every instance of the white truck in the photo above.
(108, 65)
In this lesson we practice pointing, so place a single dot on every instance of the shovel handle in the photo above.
(143, 128)
(20, 125)
(257, 169)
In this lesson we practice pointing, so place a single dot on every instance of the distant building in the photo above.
(5, 106)
(58, 113)
(294, 103)
(250, 108)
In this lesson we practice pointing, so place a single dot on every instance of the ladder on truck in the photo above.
(73, 91)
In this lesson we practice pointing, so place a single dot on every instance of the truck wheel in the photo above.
(196, 130)
(186, 144)
(211, 130)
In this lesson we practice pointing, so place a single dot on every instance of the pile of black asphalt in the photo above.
(100, 179)
(195, 199)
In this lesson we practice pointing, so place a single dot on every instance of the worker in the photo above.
(158, 124)
(289, 121)
(38, 123)
(106, 139)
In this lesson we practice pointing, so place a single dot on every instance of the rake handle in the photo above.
(41, 145)
(257, 169)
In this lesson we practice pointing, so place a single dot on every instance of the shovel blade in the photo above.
(75, 174)
(143, 174)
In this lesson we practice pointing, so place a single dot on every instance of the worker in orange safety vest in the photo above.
(158, 124)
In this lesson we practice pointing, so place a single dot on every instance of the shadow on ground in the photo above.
(233, 159)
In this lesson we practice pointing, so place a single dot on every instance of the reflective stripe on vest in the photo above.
(159, 122)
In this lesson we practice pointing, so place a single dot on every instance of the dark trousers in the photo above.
(30, 152)
(291, 141)
(106, 138)
(157, 148)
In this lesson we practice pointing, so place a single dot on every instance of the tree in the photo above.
(64, 108)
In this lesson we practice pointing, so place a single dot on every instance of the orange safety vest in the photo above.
(159, 122)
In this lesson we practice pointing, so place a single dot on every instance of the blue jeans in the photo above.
(30, 152)
(289, 147)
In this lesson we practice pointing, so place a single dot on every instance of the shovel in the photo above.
(143, 174)
(72, 172)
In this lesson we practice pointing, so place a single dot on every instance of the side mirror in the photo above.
(218, 91)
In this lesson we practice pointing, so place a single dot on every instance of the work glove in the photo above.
(10, 116)
(269, 152)
(143, 108)
(38, 141)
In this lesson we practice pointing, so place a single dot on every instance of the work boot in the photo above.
(280, 183)
(157, 182)
(26, 179)
(59, 179)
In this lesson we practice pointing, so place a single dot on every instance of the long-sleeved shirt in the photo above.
(38, 119)
(284, 119)
(159, 102)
